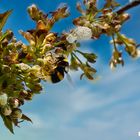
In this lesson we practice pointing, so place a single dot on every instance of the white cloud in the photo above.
(108, 109)
(37, 121)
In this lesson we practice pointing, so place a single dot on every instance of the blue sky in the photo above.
(107, 109)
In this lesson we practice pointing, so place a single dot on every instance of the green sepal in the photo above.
(91, 57)
(4, 17)
(8, 122)
(24, 117)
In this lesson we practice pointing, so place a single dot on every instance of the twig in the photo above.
(128, 6)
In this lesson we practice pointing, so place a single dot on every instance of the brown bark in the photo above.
(128, 6)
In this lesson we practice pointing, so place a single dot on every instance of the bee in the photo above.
(59, 71)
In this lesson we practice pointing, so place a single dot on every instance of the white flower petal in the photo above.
(23, 66)
(82, 33)
(138, 53)
(79, 33)
(70, 38)
(3, 99)
(36, 70)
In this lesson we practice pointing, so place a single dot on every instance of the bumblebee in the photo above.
(59, 71)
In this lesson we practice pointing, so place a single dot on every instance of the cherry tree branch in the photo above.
(128, 6)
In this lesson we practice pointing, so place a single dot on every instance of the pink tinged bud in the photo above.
(14, 102)
(3, 99)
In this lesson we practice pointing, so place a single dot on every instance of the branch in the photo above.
(128, 6)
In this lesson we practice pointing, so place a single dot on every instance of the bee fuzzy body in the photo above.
(58, 75)
(59, 72)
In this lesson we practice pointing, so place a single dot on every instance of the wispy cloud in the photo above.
(108, 109)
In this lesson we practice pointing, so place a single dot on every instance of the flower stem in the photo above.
(77, 57)
(115, 47)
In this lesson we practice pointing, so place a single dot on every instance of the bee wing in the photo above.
(70, 80)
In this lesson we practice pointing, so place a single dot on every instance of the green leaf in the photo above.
(24, 117)
(8, 123)
(4, 17)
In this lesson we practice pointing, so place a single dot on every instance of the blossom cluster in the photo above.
(45, 57)
(107, 21)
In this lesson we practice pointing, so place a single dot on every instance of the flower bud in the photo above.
(23, 67)
(118, 27)
(6, 68)
(16, 113)
(37, 87)
(91, 57)
(36, 70)
(4, 42)
(23, 94)
(6, 110)
(33, 11)
(29, 96)
(125, 16)
(78, 22)
(14, 102)
(9, 35)
(116, 59)
(59, 51)
(3, 99)
(51, 37)
(18, 44)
